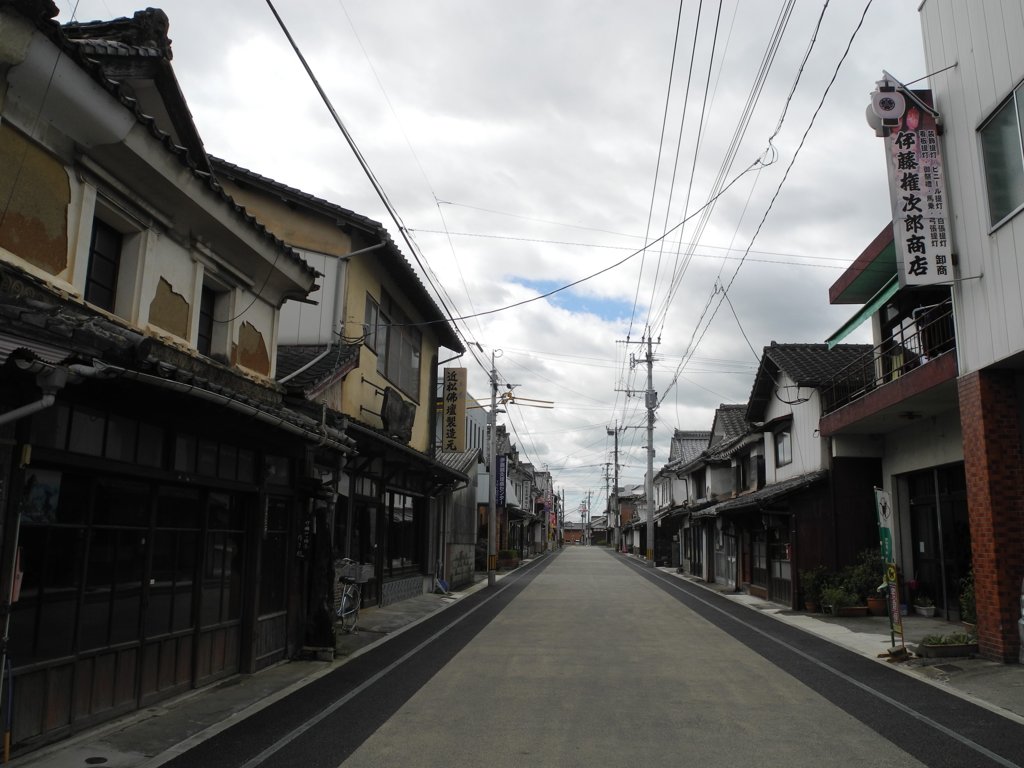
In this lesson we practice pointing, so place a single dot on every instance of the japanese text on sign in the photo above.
(918, 190)
(453, 410)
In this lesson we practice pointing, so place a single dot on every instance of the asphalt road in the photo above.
(587, 658)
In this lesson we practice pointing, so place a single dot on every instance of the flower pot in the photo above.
(877, 606)
(811, 607)
(947, 651)
(924, 610)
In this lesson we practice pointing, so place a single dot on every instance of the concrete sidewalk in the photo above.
(154, 736)
(997, 687)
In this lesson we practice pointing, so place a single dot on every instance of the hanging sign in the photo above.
(453, 411)
(917, 186)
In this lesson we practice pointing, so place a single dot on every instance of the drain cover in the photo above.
(949, 667)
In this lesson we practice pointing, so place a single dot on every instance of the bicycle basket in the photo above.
(360, 573)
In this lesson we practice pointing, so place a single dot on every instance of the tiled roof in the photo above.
(731, 420)
(808, 365)
(812, 365)
(460, 462)
(292, 357)
(773, 492)
(687, 445)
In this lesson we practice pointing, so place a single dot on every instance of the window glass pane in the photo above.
(185, 453)
(120, 439)
(206, 463)
(87, 432)
(276, 470)
(204, 341)
(122, 503)
(176, 508)
(104, 262)
(50, 427)
(1004, 168)
(227, 467)
(246, 466)
(151, 445)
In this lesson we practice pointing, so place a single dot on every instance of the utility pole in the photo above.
(615, 489)
(492, 517)
(651, 401)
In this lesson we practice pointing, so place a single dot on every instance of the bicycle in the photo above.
(347, 604)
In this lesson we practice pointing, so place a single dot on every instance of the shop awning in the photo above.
(884, 294)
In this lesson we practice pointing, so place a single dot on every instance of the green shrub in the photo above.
(968, 609)
(837, 597)
(865, 576)
(508, 554)
(953, 638)
(812, 581)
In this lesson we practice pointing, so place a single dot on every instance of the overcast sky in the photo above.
(522, 145)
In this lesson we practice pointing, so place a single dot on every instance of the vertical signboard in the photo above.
(919, 203)
(453, 411)
(500, 479)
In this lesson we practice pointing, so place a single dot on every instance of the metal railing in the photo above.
(923, 337)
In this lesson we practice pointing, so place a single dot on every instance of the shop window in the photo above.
(222, 577)
(273, 563)
(277, 470)
(1003, 158)
(175, 547)
(403, 549)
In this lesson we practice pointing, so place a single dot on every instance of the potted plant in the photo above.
(812, 580)
(924, 605)
(841, 601)
(508, 559)
(945, 646)
(864, 577)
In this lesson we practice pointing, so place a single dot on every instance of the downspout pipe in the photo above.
(49, 379)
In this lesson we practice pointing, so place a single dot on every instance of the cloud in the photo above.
(548, 116)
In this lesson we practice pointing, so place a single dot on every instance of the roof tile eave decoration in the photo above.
(773, 492)
(69, 47)
(292, 357)
(333, 209)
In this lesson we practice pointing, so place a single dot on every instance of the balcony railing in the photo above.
(921, 339)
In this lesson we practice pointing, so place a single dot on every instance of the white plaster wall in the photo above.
(810, 451)
(928, 442)
(985, 40)
(303, 323)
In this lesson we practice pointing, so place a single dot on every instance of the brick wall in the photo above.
(991, 423)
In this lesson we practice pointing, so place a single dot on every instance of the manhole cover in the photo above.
(949, 667)
(95, 760)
